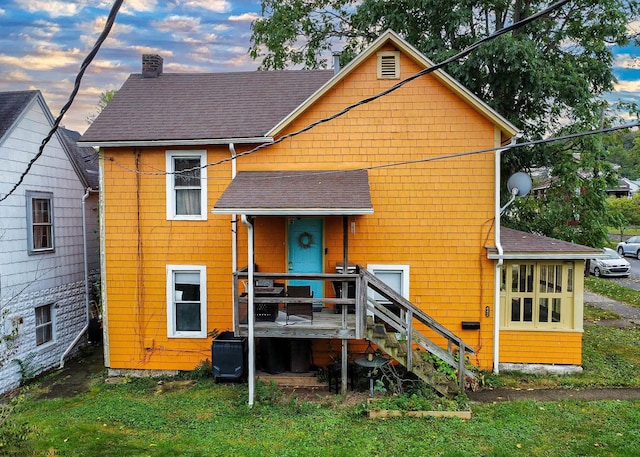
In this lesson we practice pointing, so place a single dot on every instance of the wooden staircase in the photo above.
(383, 325)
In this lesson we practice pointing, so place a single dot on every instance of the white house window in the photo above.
(186, 301)
(40, 222)
(186, 185)
(538, 295)
(44, 324)
(395, 276)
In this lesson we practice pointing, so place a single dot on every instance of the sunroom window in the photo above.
(540, 295)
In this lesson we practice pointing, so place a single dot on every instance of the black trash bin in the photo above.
(229, 357)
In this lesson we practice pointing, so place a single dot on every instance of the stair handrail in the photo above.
(411, 312)
(383, 289)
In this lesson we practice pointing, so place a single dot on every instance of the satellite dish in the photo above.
(519, 184)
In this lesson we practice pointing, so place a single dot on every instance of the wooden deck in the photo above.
(325, 324)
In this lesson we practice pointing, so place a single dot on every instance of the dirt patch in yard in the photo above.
(75, 377)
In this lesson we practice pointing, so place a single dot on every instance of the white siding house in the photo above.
(48, 254)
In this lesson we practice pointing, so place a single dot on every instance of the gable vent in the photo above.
(389, 65)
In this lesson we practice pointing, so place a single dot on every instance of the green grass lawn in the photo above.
(139, 417)
(206, 419)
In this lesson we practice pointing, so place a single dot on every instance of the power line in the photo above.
(96, 47)
(372, 98)
(504, 148)
(398, 85)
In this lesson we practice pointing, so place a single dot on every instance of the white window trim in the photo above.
(53, 327)
(30, 196)
(404, 269)
(171, 318)
(171, 200)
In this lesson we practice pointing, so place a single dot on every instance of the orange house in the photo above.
(222, 191)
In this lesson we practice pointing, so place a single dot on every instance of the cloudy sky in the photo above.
(43, 43)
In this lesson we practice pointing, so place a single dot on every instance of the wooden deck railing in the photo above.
(365, 283)
(344, 278)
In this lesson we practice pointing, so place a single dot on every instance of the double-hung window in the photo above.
(44, 324)
(40, 222)
(186, 185)
(186, 301)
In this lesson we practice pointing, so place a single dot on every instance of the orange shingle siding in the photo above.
(562, 348)
(426, 215)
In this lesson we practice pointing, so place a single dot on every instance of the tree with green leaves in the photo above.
(547, 77)
(626, 212)
(103, 101)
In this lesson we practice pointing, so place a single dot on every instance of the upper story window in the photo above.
(40, 222)
(44, 324)
(186, 301)
(186, 185)
(538, 295)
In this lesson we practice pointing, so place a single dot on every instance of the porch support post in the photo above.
(345, 291)
(250, 306)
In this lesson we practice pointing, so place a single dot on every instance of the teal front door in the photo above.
(305, 251)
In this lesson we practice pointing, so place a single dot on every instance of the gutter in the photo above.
(86, 278)
(172, 142)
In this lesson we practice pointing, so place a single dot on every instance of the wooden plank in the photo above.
(387, 413)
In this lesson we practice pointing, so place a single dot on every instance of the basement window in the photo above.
(44, 324)
(389, 65)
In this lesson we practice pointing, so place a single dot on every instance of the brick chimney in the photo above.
(151, 65)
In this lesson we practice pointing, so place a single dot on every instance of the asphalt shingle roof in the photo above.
(85, 159)
(203, 106)
(12, 104)
(515, 241)
(296, 192)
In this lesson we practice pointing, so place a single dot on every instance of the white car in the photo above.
(613, 265)
(630, 247)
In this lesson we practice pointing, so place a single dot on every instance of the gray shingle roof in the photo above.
(12, 104)
(203, 106)
(85, 159)
(297, 192)
(515, 241)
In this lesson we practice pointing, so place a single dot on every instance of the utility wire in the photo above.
(391, 89)
(461, 54)
(103, 36)
(504, 148)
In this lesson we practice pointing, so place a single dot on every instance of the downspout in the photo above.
(497, 275)
(250, 318)
(234, 225)
(86, 278)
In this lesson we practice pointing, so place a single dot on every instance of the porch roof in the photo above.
(297, 193)
(522, 245)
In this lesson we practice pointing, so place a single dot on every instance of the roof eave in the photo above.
(561, 256)
(175, 142)
(294, 211)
